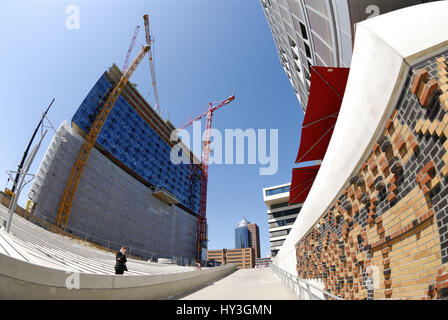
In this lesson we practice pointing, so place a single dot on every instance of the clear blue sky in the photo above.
(205, 50)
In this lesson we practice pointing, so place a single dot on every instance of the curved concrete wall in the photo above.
(22, 280)
(387, 48)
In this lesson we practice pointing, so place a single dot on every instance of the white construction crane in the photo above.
(149, 42)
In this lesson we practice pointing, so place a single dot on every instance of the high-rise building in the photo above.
(130, 192)
(319, 33)
(242, 235)
(281, 215)
(254, 238)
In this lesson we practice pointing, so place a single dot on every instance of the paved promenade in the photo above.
(246, 284)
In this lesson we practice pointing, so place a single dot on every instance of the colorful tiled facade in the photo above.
(386, 236)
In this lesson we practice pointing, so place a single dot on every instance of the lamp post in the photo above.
(16, 180)
(21, 177)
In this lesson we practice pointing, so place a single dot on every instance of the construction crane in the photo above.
(201, 234)
(71, 186)
(149, 42)
(131, 47)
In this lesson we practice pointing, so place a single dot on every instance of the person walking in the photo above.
(120, 261)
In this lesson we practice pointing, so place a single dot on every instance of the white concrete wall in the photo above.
(385, 48)
(22, 280)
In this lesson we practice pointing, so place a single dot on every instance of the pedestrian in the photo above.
(120, 261)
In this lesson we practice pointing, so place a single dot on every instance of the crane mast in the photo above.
(131, 46)
(91, 137)
(201, 234)
(89, 142)
(149, 42)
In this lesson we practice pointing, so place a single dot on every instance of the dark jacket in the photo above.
(120, 262)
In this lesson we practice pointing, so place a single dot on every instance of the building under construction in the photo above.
(130, 192)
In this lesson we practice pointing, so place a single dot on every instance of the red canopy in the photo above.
(302, 181)
(325, 98)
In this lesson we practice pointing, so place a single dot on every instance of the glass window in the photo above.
(272, 192)
(303, 31)
(308, 51)
(279, 205)
(284, 213)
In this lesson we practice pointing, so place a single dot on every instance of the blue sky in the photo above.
(205, 50)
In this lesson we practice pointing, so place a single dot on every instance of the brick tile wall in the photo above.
(386, 237)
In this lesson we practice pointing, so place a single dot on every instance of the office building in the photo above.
(281, 215)
(242, 235)
(247, 235)
(244, 258)
(254, 238)
(217, 256)
(319, 33)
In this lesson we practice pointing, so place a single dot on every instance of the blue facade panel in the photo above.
(131, 140)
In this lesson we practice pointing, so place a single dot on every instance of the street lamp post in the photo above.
(21, 174)
(16, 179)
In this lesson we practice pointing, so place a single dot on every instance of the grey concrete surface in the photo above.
(38, 264)
(24, 280)
(34, 244)
(246, 284)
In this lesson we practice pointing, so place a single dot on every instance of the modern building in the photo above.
(247, 235)
(319, 33)
(244, 258)
(242, 235)
(374, 224)
(254, 238)
(217, 256)
(281, 215)
(130, 192)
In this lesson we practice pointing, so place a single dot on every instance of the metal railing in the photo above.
(302, 288)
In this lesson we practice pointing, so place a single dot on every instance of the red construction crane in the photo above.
(201, 235)
(131, 46)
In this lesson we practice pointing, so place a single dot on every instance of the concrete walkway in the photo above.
(246, 284)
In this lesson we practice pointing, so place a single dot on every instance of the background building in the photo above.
(319, 33)
(247, 247)
(242, 235)
(254, 238)
(247, 235)
(217, 256)
(244, 258)
(281, 215)
(130, 192)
